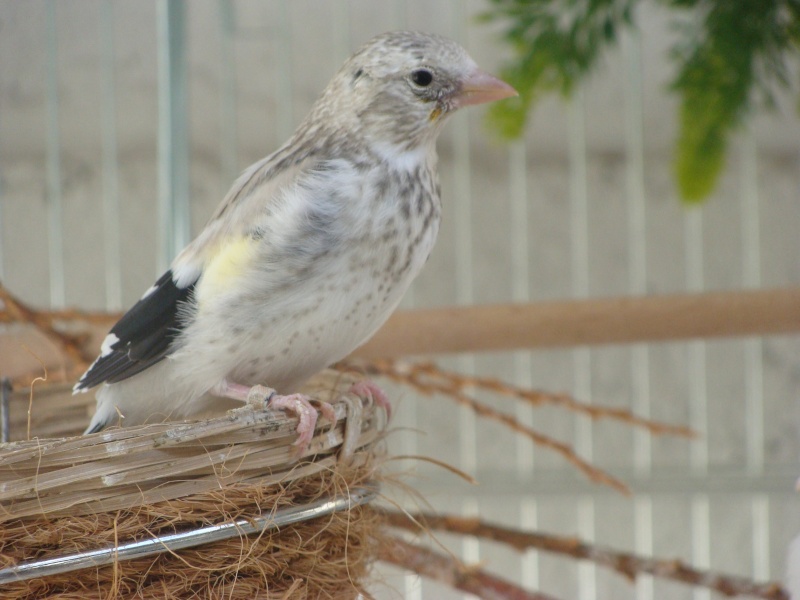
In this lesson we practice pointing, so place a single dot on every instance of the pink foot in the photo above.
(299, 404)
(369, 389)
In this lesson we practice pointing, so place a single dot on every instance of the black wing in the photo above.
(142, 336)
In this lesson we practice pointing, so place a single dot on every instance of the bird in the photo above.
(307, 255)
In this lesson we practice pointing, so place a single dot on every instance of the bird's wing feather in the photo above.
(243, 207)
(144, 335)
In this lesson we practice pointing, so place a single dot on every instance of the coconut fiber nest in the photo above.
(138, 487)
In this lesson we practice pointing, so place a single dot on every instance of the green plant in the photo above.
(730, 57)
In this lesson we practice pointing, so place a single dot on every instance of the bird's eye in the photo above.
(422, 77)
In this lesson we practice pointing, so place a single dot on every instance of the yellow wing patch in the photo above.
(230, 261)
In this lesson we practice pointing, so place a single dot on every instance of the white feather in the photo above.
(108, 342)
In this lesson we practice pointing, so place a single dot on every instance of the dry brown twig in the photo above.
(565, 450)
(430, 376)
(445, 569)
(628, 565)
(18, 311)
(429, 379)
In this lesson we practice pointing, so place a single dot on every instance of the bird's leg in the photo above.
(369, 389)
(299, 404)
(257, 395)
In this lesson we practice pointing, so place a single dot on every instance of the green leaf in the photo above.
(700, 156)
(556, 43)
(736, 52)
(730, 57)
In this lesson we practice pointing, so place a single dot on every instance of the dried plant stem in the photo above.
(445, 569)
(447, 382)
(594, 473)
(58, 377)
(628, 565)
(454, 393)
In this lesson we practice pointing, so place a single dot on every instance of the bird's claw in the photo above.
(370, 390)
(306, 412)
(326, 409)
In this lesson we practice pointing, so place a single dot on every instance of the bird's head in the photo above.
(399, 87)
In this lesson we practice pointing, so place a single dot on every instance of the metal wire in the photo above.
(5, 399)
(697, 372)
(173, 131)
(110, 166)
(55, 208)
(229, 117)
(581, 357)
(186, 539)
(637, 285)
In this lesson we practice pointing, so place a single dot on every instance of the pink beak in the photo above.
(480, 87)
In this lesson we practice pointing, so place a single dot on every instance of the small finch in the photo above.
(307, 255)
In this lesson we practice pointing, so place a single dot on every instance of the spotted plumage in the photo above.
(309, 252)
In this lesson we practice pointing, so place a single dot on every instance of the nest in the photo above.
(66, 495)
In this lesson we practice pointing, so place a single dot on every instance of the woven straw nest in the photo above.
(63, 495)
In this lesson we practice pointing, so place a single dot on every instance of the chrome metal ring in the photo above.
(186, 539)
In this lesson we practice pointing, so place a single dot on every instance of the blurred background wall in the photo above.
(584, 206)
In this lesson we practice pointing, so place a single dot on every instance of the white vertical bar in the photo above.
(400, 20)
(751, 275)
(582, 379)
(2, 255)
(644, 544)
(754, 355)
(470, 546)
(412, 587)
(693, 224)
(579, 241)
(464, 279)
(761, 547)
(698, 402)
(284, 85)
(173, 133)
(229, 118)
(412, 584)
(637, 239)
(462, 190)
(751, 221)
(529, 521)
(696, 350)
(520, 249)
(520, 288)
(55, 210)
(401, 14)
(587, 570)
(698, 415)
(637, 285)
(701, 536)
(110, 165)
(578, 196)
(520, 292)
(341, 31)
(468, 439)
